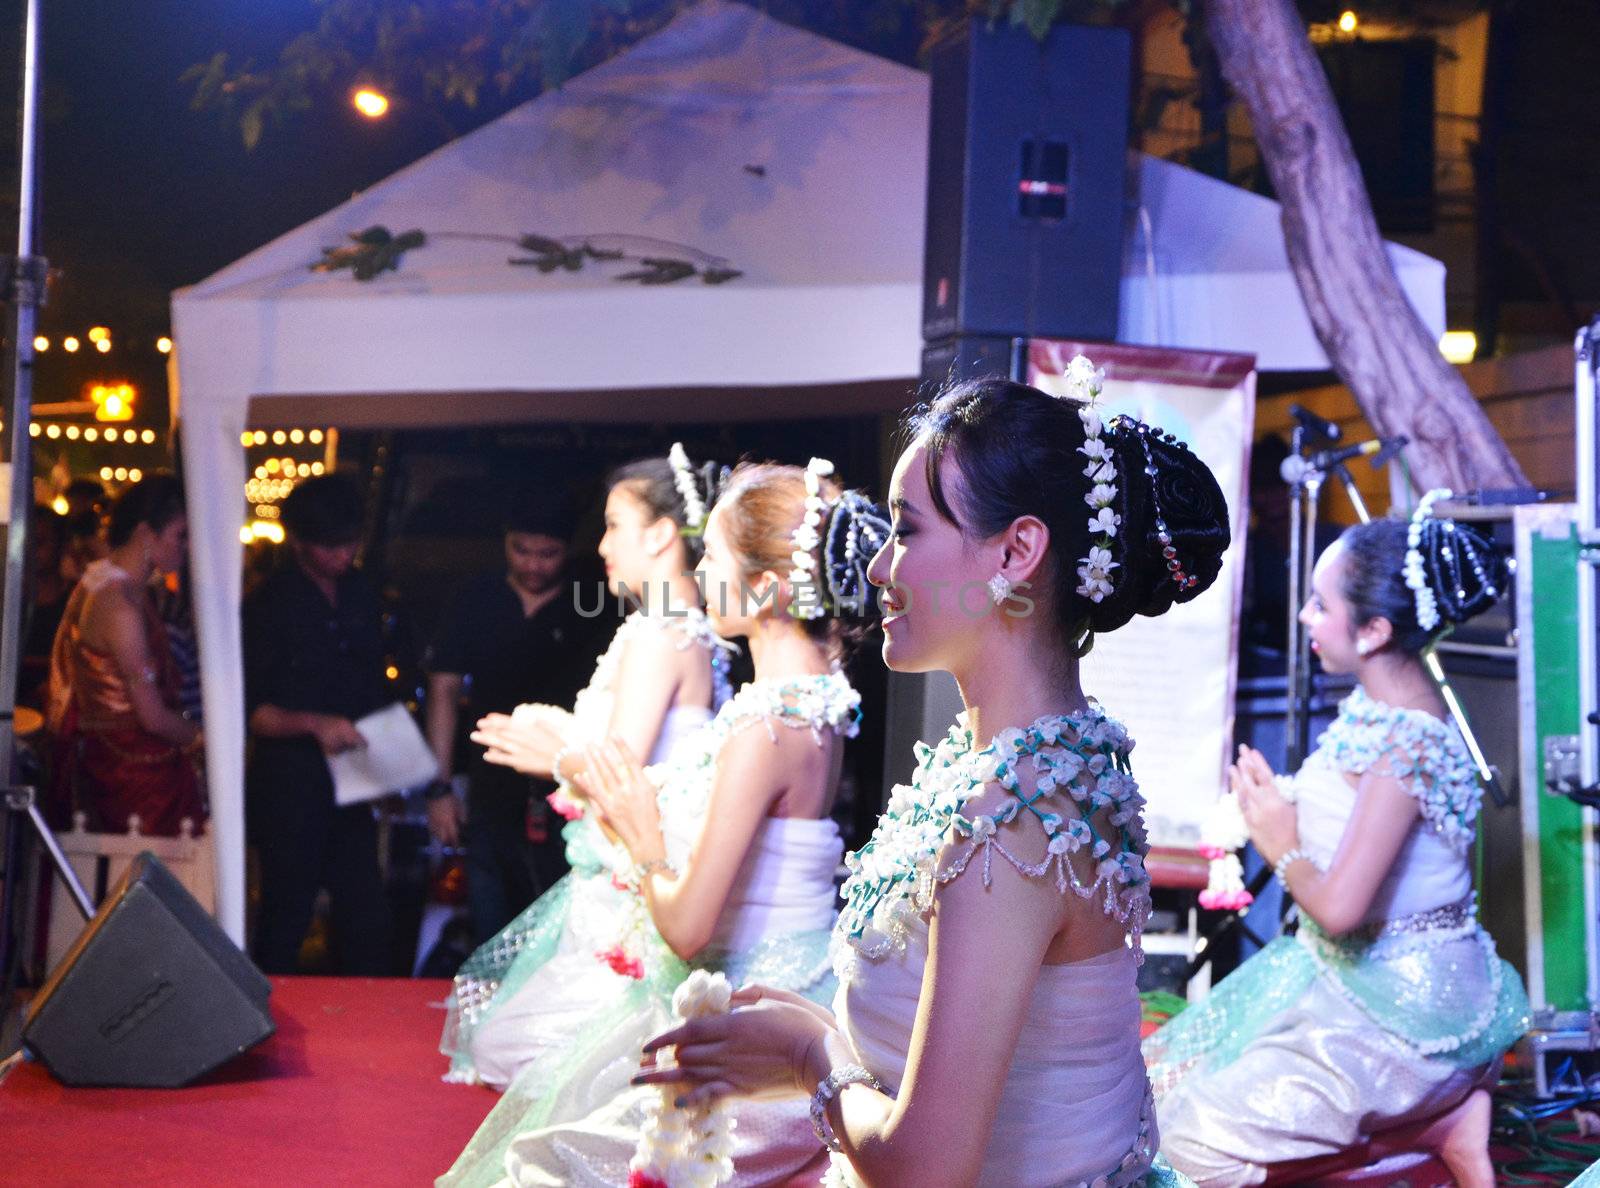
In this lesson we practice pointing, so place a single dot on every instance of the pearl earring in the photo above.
(999, 588)
(1362, 647)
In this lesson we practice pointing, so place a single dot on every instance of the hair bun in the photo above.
(1466, 572)
(1170, 491)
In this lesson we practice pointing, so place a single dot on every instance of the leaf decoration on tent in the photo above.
(377, 250)
(655, 266)
(370, 252)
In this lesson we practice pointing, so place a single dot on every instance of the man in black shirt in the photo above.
(314, 663)
(511, 636)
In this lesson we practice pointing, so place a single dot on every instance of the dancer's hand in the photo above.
(615, 783)
(526, 746)
(771, 1048)
(1273, 825)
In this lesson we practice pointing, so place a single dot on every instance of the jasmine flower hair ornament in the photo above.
(1416, 573)
(1084, 384)
(688, 484)
(805, 539)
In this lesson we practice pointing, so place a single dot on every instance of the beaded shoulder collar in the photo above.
(824, 704)
(692, 627)
(1080, 765)
(1427, 755)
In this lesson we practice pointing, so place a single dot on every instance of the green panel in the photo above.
(1561, 874)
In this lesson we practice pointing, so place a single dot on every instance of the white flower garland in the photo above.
(1416, 575)
(1084, 384)
(805, 539)
(690, 1147)
(1222, 836)
(694, 508)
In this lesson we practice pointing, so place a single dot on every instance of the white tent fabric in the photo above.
(800, 161)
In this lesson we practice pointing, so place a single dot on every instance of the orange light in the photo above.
(113, 402)
(70, 344)
(370, 103)
(1348, 21)
(148, 436)
(98, 334)
(103, 346)
(164, 345)
(41, 343)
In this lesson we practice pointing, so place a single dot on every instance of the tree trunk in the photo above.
(1373, 338)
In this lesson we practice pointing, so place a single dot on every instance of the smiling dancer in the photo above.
(986, 1029)
(1374, 1030)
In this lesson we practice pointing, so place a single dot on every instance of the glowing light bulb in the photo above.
(370, 103)
(41, 343)
(164, 345)
(70, 344)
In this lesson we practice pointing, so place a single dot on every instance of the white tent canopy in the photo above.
(800, 162)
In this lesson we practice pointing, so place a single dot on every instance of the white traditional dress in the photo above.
(570, 1117)
(519, 994)
(1076, 1107)
(1319, 1042)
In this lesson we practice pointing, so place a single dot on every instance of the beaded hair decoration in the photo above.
(1085, 382)
(857, 529)
(1446, 572)
(688, 484)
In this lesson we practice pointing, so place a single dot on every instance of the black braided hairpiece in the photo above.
(857, 528)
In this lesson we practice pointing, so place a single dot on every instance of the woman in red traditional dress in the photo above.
(122, 746)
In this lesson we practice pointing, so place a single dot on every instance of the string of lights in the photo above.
(98, 337)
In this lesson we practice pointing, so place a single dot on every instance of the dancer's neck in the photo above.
(781, 650)
(669, 595)
(1014, 681)
(1400, 681)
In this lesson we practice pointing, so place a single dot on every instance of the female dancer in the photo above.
(655, 686)
(986, 1028)
(731, 854)
(1384, 1016)
(124, 745)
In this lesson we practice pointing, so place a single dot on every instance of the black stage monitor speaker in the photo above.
(953, 360)
(1027, 156)
(152, 994)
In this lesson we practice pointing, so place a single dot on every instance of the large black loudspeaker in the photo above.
(152, 994)
(1027, 158)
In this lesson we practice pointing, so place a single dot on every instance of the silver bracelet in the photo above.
(1280, 868)
(827, 1089)
(644, 870)
(555, 765)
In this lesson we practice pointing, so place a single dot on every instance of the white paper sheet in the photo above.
(395, 759)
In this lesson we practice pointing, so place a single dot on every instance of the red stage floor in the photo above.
(347, 1092)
